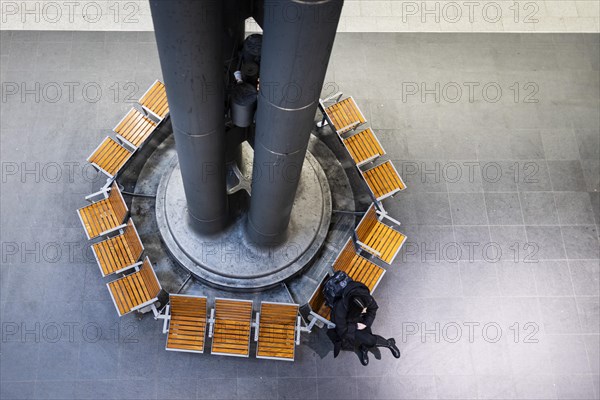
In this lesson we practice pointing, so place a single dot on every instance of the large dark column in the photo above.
(189, 34)
(297, 42)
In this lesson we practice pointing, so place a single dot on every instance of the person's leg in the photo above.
(365, 337)
(390, 343)
(365, 340)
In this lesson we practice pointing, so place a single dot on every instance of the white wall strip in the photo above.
(357, 16)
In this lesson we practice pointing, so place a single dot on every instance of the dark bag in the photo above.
(334, 287)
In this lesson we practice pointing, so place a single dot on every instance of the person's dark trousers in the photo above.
(366, 339)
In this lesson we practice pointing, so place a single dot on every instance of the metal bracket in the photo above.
(211, 323)
(136, 266)
(317, 317)
(333, 96)
(166, 317)
(104, 192)
(386, 215)
(368, 248)
(256, 327)
(298, 330)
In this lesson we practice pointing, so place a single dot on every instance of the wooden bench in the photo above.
(154, 101)
(119, 253)
(377, 238)
(357, 267)
(109, 157)
(230, 324)
(319, 311)
(135, 291)
(344, 115)
(187, 323)
(383, 181)
(104, 216)
(363, 147)
(277, 331)
(134, 129)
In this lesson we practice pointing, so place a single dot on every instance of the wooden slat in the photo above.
(363, 146)
(105, 214)
(383, 179)
(232, 327)
(110, 156)
(118, 252)
(156, 100)
(133, 290)
(118, 205)
(317, 301)
(345, 115)
(151, 283)
(357, 267)
(277, 330)
(187, 327)
(135, 127)
(379, 237)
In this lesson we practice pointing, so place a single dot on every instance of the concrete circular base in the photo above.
(229, 260)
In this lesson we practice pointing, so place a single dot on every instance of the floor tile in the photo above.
(538, 208)
(543, 243)
(574, 208)
(503, 208)
(585, 275)
(553, 278)
(567, 176)
(581, 242)
(560, 315)
(468, 209)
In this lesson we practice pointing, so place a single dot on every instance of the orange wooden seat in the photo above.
(135, 291)
(134, 129)
(363, 147)
(109, 157)
(357, 267)
(155, 101)
(187, 323)
(231, 324)
(119, 253)
(383, 180)
(277, 329)
(344, 115)
(377, 238)
(104, 216)
(320, 312)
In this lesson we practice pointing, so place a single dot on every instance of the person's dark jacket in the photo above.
(345, 314)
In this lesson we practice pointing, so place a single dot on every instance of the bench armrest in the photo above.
(166, 318)
(333, 96)
(316, 317)
(126, 143)
(369, 249)
(136, 265)
(115, 229)
(385, 215)
(298, 330)
(151, 113)
(145, 304)
(102, 192)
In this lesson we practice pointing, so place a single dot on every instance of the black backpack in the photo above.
(334, 287)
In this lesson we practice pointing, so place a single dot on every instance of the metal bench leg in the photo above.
(323, 122)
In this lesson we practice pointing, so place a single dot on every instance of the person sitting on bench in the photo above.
(353, 314)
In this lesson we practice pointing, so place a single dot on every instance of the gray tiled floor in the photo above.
(493, 182)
